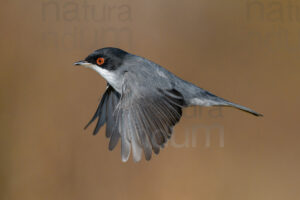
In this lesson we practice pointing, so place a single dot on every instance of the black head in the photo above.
(108, 58)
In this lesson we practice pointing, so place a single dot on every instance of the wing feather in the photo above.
(104, 113)
(145, 118)
(100, 112)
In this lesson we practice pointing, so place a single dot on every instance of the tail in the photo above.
(205, 98)
(243, 108)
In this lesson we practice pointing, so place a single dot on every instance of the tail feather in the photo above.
(205, 98)
(243, 108)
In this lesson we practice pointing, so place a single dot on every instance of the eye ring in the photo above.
(100, 61)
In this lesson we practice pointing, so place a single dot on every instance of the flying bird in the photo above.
(143, 101)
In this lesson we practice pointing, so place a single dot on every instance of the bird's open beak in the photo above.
(82, 62)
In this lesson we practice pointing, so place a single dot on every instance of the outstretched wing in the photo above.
(145, 117)
(104, 113)
(142, 117)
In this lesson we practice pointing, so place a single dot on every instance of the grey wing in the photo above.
(145, 117)
(104, 113)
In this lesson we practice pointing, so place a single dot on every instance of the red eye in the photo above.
(100, 61)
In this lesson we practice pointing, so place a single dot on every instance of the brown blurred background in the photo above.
(244, 51)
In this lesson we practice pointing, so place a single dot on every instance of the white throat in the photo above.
(111, 77)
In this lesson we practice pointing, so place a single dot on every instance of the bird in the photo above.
(143, 101)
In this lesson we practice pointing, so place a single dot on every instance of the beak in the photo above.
(82, 62)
